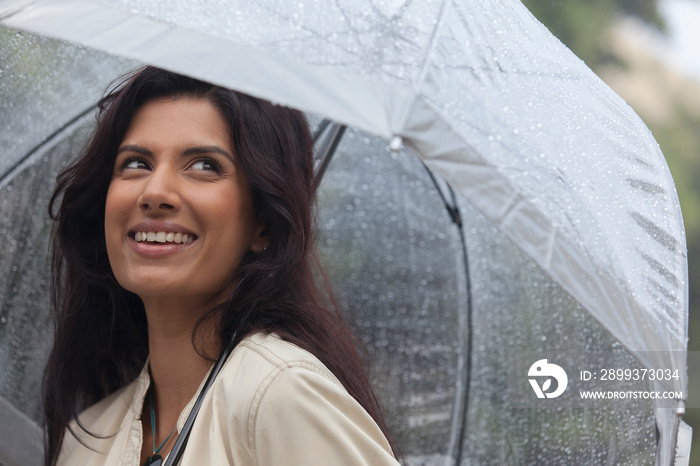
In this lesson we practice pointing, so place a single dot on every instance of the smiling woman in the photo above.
(175, 175)
(181, 231)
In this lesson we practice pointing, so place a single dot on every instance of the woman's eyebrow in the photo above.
(208, 150)
(132, 148)
(190, 151)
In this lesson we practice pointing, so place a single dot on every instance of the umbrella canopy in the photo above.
(572, 196)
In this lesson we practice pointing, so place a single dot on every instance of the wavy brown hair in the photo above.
(100, 328)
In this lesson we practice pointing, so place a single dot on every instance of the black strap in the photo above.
(181, 442)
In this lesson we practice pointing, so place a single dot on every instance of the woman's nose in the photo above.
(160, 192)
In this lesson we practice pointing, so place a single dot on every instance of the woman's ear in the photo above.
(260, 239)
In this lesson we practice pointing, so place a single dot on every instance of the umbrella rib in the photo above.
(8, 175)
(463, 397)
(327, 37)
(18, 9)
(468, 356)
(321, 128)
(326, 147)
(432, 43)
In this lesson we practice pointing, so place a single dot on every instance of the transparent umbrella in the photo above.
(564, 238)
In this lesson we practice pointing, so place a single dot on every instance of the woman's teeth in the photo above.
(163, 237)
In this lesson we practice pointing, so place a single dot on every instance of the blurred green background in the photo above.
(608, 35)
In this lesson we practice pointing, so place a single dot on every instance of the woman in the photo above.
(186, 224)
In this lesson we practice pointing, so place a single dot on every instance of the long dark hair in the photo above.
(101, 340)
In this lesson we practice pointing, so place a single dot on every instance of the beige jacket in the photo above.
(272, 404)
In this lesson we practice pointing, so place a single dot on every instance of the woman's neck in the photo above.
(176, 368)
(177, 362)
(176, 365)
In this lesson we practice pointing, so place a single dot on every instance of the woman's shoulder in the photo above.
(271, 353)
(286, 404)
(280, 375)
(262, 358)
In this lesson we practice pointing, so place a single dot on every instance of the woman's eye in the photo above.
(134, 163)
(206, 165)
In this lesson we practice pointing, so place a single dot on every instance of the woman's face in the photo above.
(179, 215)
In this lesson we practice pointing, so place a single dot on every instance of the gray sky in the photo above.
(683, 18)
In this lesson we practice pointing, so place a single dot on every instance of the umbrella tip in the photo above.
(395, 143)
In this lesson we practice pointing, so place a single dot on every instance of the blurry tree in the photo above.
(582, 24)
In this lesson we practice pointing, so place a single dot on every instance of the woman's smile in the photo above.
(158, 239)
(179, 214)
